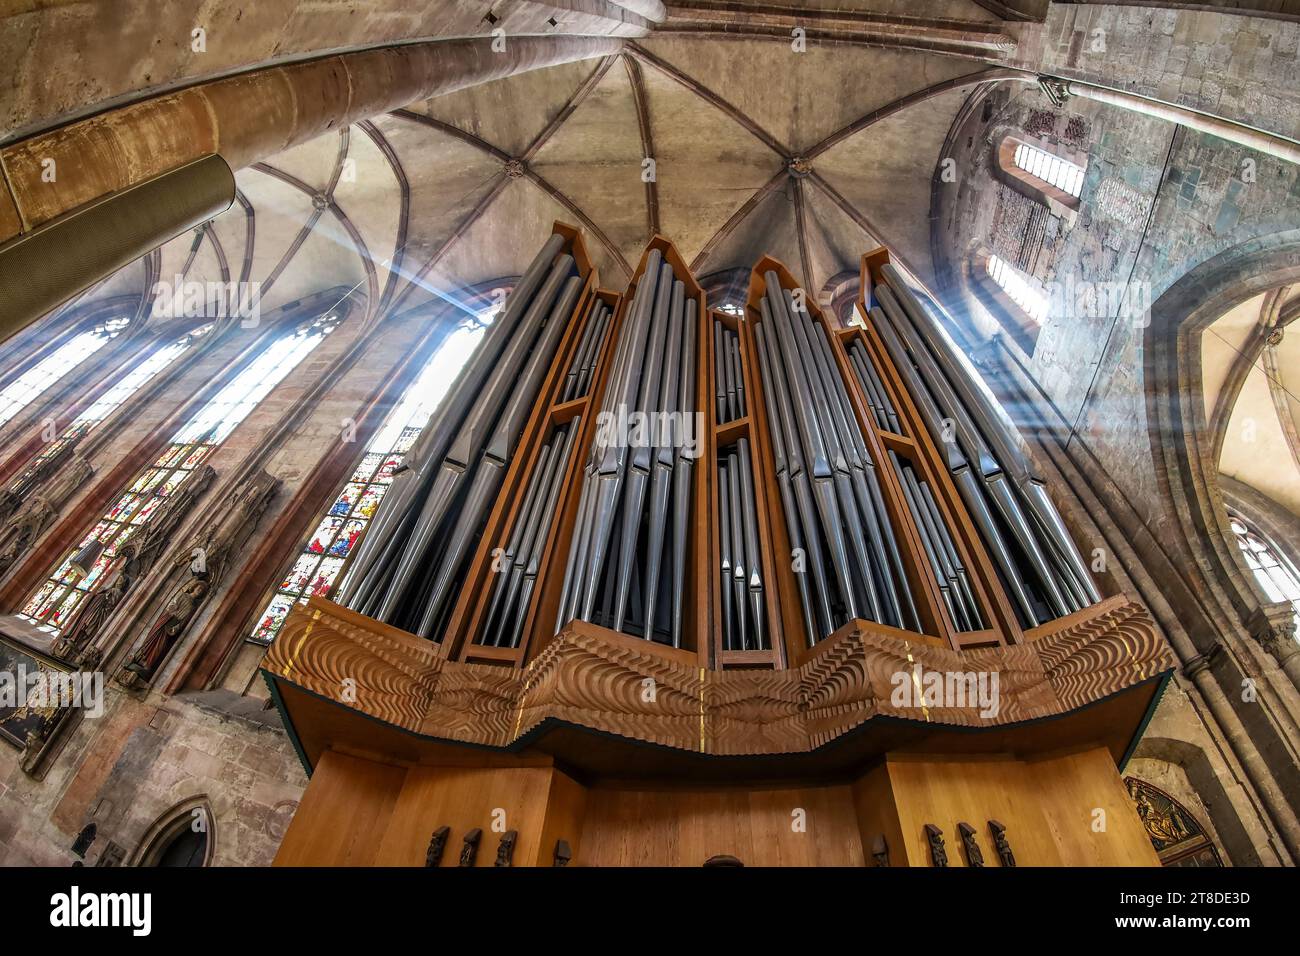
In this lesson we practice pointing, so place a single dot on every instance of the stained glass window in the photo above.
(326, 553)
(111, 400)
(57, 600)
(1276, 575)
(28, 386)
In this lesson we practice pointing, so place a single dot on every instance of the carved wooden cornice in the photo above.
(608, 682)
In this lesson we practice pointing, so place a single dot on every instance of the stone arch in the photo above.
(1181, 444)
(175, 824)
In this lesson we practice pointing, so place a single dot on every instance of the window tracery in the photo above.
(326, 553)
(57, 599)
(36, 380)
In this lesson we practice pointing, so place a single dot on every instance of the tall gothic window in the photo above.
(25, 389)
(110, 401)
(1276, 575)
(1019, 288)
(56, 601)
(1037, 169)
(326, 553)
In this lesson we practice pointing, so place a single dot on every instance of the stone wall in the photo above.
(127, 769)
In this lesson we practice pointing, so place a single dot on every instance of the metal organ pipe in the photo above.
(863, 531)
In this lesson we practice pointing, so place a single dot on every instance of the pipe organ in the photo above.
(716, 559)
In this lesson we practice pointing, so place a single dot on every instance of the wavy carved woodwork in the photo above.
(612, 683)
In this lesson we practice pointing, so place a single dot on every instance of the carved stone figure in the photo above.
(974, 855)
(92, 614)
(506, 848)
(176, 616)
(938, 854)
(204, 562)
(161, 530)
(563, 853)
(880, 850)
(469, 850)
(38, 511)
(18, 490)
(135, 559)
(437, 843)
(1000, 843)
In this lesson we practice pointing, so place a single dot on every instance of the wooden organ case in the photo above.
(811, 608)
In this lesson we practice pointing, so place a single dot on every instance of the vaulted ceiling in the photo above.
(1250, 377)
(813, 157)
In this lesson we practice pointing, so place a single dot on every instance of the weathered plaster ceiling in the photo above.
(1250, 375)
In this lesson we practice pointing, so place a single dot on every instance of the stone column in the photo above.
(1273, 625)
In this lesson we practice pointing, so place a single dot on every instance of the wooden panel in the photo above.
(1070, 790)
(566, 805)
(344, 813)
(685, 828)
(873, 799)
(464, 798)
(1047, 807)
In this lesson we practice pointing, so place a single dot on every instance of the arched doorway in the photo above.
(183, 836)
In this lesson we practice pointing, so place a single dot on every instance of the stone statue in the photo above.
(13, 496)
(94, 611)
(135, 559)
(204, 560)
(178, 611)
(38, 512)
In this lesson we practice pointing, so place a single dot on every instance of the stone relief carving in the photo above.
(204, 561)
(12, 497)
(39, 510)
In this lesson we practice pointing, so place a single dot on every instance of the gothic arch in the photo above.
(1178, 836)
(174, 824)
(1181, 443)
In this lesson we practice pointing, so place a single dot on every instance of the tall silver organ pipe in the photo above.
(409, 566)
(630, 546)
(1024, 534)
(848, 561)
